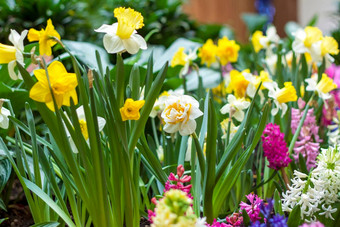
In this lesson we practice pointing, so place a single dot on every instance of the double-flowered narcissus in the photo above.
(62, 84)
(227, 50)
(45, 38)
(122, 35)
(180, 114)
(130, 110)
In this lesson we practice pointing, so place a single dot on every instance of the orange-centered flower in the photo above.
(130, 110)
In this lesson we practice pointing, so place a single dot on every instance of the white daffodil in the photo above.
(270, 38)
(323, 49)
(281, 96)
(235, 107)
(305, 38)
(181, 58)
(83, 127)
(324, 86)
(12, 54)
(122, 35)
(180, 113)
(4, 113)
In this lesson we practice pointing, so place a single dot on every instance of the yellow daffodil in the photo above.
(227, 50)
(207, 53)
(281, 96)
(238, 83)
(235, 107)
(62, 83)
(181, 58)
(180, 113)
(305, 38)
(45, 38)
(255, 40)
(323, 48)
(130, 110)
(233, 129)
(7, 53)
(122, 36)
(324, 86)
(254, 82)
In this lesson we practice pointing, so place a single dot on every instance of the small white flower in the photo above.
(270, 38)
(201, 222)
(18, 42)
(235, 107)
(180, 114)
(4, 113)
(83, 127)
(328, 211)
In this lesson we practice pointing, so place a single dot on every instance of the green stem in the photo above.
(200, 154)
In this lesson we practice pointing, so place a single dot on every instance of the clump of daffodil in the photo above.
(180, 113)
(238, 83)
(181, 58)
(174, 209)
(254, 82)
(130, 110)
(63, 86)
(235, 107)
(208, 52)
(324, 86)
(227, 50)
(281, 96)
(122, 35)
(45, 38)
(12, 54)
(225, 125)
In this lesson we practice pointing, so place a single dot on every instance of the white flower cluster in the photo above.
(317, 192)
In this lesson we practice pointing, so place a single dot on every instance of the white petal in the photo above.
(315, 52)
(225, 109)
(73, 146)
(171, 128)
(108, 29)
(80, 113)
(101, 123)
(239, 115)
(4, 122)
(251, 90)
(113, 44)
(132, 44)
(187, 128)
(311, 84)
(140, 40)
(11, 71)
(231, 99)
(284, 109)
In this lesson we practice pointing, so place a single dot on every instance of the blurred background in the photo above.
(193, 19)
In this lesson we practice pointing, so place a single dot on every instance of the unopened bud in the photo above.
(90, 78)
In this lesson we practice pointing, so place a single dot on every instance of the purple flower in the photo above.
(278, 221)
(253, 210)
(275, 147)
(308, 142)
(267, 208)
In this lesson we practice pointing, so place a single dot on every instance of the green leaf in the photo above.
(54, 206)
(246, 218)
(254, 21)
(2, 205)
(2, 220)
(46, 224)
(5, 172)
(277, 203)
(294, 217)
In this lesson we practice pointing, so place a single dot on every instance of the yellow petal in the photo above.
(329, 46)
(55, 70)
(313, 34)
(33, 35)
(40, 93)
(7, 53)
(50, 31)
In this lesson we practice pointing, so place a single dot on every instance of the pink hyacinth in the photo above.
(235, 219)
(313, 224)
(253, 210)
(179, 181)
(218, 224)
(275, 147)
(308, 142)
(329, 109)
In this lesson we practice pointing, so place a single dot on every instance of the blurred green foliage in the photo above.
(76, 20)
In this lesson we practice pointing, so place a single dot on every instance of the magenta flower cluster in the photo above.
(233, 220)
(275, 147)
(252, 209)
(308, 142)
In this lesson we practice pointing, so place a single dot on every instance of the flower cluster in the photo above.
(275, 147)
(308, 142)
(252, 209)
(270, 220)
(174, 182)
(317, 192)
